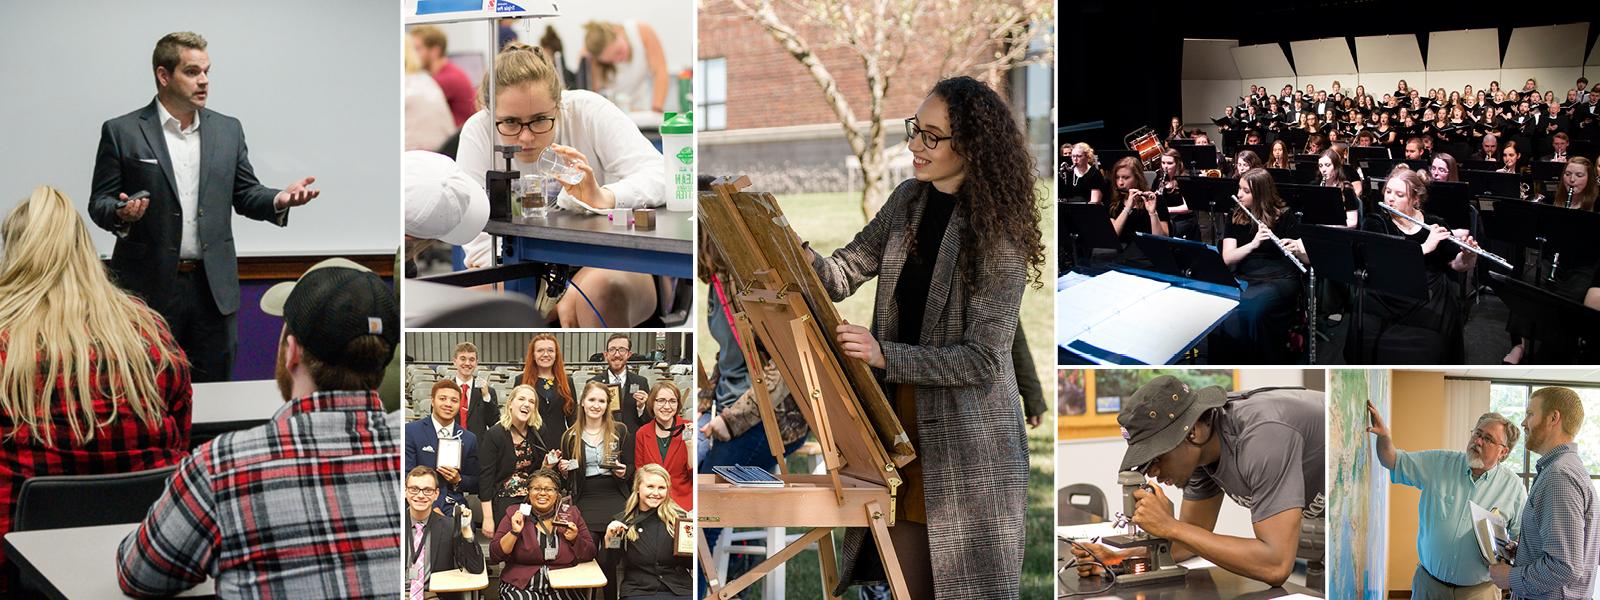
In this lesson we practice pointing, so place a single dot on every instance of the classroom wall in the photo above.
(315, 84)
(1417, 401)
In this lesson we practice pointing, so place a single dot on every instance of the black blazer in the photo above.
(447, 549)
(552, 414)
(133, 157)
(649, 565)
(482, 412)
(497, 459)
(627, 414)
(572, 447)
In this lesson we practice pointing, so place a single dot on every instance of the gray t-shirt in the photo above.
(1272, 449)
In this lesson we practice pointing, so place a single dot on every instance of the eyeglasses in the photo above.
(513, 127)
(1480, 434)
(542, 490)
(666, 400)
(420, 491)
(616, 350)
(928, 139)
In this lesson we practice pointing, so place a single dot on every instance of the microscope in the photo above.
(1157, 563)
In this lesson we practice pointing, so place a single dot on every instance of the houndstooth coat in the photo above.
(973, 449)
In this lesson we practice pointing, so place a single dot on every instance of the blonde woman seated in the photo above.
(91, 380)
(647, 531)
(533, 544)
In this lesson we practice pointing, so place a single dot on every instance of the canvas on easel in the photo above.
(780, 302)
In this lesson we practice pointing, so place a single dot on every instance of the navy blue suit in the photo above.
(422, 448)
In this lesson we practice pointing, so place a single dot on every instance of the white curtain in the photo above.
(1464, 401)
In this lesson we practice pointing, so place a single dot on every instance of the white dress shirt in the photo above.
(446, 431)
(183, 149)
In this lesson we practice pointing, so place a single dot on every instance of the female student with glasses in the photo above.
(620, 169)
(951, 250)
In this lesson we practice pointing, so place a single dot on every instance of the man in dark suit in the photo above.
(480, 409)
(170, 250)
(435, 542)
(634, 386)
(422, 447)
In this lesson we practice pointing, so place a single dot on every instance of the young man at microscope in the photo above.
(1262, 448)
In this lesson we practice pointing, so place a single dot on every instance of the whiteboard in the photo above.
(315, 84)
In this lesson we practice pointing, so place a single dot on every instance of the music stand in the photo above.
(1316, 204)
(1233, 141)
(1260, 150)
(1198, 157)
(1283, 176)
(1293, 139)
(1546, 228)
(1452, 201)
(1495, 184)
(1381, 168)
(1366, 261)
(1479, 165)
(1089, 226)
(1548, 170)
(1186, 258)
(1211, 195)
(1361, 153)
(1109, 158)
(1183, 141)
(1307, 171)
(1546, 317)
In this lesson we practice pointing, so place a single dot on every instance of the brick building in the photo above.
(760, 112)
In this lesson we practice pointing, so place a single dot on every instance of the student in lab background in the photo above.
(621, 169)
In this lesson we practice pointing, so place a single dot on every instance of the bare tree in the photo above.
(980, 38)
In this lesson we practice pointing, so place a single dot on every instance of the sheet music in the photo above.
(1143, 319)
(1159, 326)
(1084, 304)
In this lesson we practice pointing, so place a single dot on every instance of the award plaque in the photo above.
(685, 545)
(616, 397)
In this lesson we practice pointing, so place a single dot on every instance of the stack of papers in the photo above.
(1116, 314)
(744, 476)
(1491, 532)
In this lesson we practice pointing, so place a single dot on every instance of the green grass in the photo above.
(829, 221)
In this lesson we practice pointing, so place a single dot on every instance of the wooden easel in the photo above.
(780, 302)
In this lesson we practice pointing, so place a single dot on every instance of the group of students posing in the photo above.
(560, 477)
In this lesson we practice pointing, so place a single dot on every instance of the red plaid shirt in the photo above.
(300, 507)
(123, 446)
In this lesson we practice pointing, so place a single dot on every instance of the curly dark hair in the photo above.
(997, 194)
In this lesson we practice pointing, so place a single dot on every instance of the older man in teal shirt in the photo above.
(1449, 563)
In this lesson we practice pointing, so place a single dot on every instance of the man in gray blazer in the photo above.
(170, 250)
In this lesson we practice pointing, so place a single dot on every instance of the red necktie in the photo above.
(464, 405)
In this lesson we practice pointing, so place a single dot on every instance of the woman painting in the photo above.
(951, 251)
